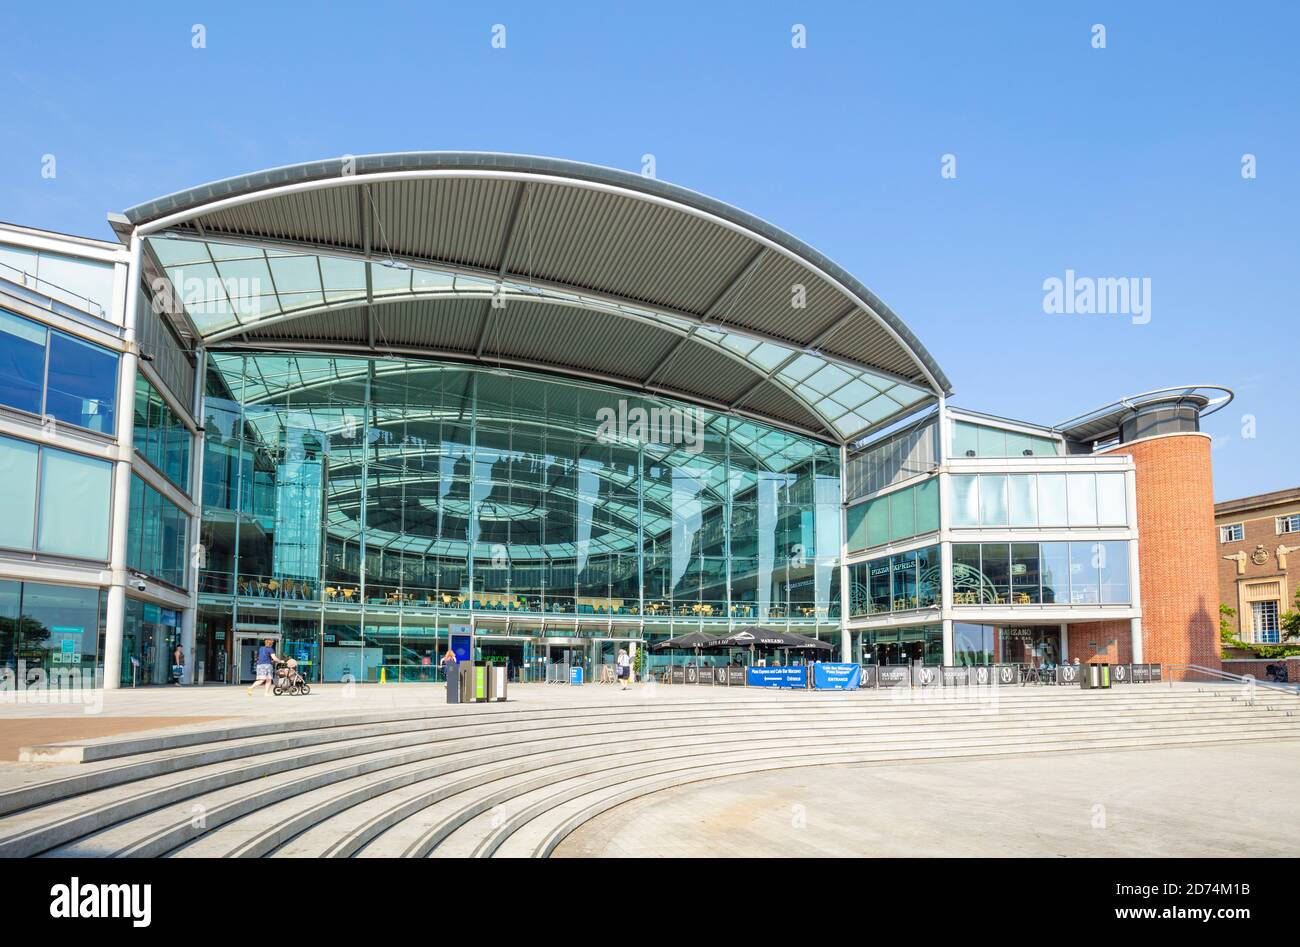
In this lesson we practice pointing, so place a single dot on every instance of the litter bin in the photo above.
(453, 683)
(473, 682)
(496, 682)
(1095, 676)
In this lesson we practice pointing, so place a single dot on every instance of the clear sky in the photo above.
(1124, 161)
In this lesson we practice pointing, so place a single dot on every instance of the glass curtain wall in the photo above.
(431, 488)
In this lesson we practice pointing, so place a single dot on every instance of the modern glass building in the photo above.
(362, 405)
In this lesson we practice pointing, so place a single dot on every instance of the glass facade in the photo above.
(1076, 573)
(54, 501)
(900, 582)
(1039, 500)
(413, 489)
(48, 373)
(911, 511)
(160, 436)
(50, 628)
(983, 440)
(157, 534)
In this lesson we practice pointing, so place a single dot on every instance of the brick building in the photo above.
(1259, 561)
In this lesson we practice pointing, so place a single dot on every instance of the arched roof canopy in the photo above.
(542, 264)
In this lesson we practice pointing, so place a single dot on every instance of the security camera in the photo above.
(139, 585)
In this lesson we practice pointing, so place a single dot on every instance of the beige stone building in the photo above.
(1259, 564)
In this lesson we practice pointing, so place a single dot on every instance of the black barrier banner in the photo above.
(736, 676)
(870, 676)
(1067, 673)
(956, 676)
(1141, 673)
(894, 674)
(926, 677)
(692, 675)
(1154, 674)
(677, 675)
(1006, 673)
(981, 674)
(1120, 674)
(720, 676)
(705, 676)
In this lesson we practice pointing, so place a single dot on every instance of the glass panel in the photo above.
(18, 497)
(1085, 573)
(1023, 500)
(82, 383)
(1052, 500)
(1083, 499)
(992, 442)
(903, 569)
(1114, 573)
(965, 439)
(1055, 566)
(59, 628)
(993, 500)
(878, 521)
(74, 505)
(1111, 505)
(1024, 574)
(22, 362)
(965, 500)
(927, 506)
(972, 644)
(997, 571)
(902, 514)
(929, 577)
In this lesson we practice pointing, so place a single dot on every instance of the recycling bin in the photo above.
(496, 682)
(453, 683)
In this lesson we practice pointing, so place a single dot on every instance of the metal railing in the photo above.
(1227, 677)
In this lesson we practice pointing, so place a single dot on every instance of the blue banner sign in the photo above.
(575, 675)
(778, 677)
(838, 677)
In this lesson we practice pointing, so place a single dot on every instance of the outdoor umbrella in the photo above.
(692, 639)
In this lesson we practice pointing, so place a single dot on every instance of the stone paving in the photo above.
(1215, 801)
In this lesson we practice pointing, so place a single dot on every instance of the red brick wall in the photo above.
(1177, 552)
(1083, 634)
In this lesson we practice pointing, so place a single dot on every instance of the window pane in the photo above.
(902, 514)
(18, 497)
(74, 508)
(965, 500)
(880, 584)
(1085, 573)
(82, 383)
(967, 580)
(1023, 500)
(1114, 573)
(993, 500)
(965, 439)
(1054, 562)
(1083, 499)
(927, 506)
(1051, 500)
(928, 577)
(878, 521)
(22, 362)
(993, 442)
(903, 567)
(1024, 573)
(1110, 499)
(855, 521)
(996, 566)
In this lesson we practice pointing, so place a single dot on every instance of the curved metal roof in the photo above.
(543, 264)
(1103, 422)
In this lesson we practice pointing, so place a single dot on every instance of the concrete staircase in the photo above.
(514, 780)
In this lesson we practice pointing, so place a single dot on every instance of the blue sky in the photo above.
(1116, 162)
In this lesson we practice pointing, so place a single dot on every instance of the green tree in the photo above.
(1290, 621)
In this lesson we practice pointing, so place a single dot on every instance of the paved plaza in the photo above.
(1157, 802)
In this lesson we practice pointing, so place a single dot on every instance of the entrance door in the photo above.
(509, 654)
(243, 665)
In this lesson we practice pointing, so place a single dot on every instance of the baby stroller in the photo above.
(288, 680)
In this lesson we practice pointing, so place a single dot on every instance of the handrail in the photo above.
(1229, 677)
